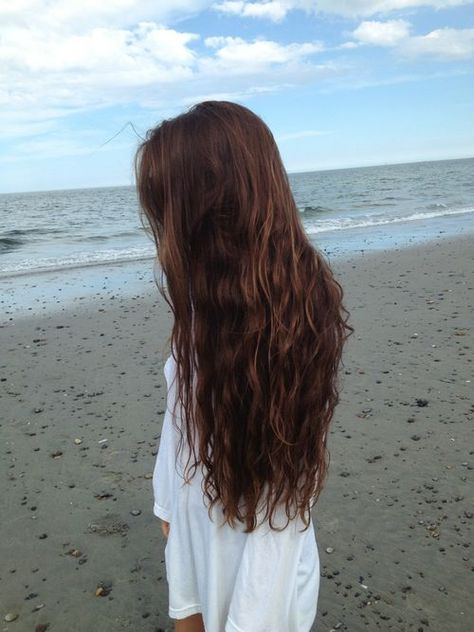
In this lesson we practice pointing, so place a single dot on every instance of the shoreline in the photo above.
(83, 395)
(55, 290)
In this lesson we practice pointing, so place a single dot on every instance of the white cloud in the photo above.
(365, 8)
(99, 49)
(350, 45)
(277, 10)
(274, 10)
(77, 57)
(236, 51)
(77, 15)
(445, 44)
(442, 44)
(382, 33)
(52, 73)
(68, 57)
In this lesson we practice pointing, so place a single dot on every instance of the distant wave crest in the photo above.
(345, 223)
(76, 260)
(10, 243)
(307, 210)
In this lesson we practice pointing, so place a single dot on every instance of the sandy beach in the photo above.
(82, 401)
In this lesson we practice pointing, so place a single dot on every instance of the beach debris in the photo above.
(10, 616)
(102, 495)
(421, 402)
(136, 512)
(102, 441)
(42, 627)
(103, 589)
(78, 441)
(38, 607)
(74, 553)
(38, 410)
(329, 549)
(56, 455)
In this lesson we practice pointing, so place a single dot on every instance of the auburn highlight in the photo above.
(259, 323)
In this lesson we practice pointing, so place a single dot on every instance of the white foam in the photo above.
(77, 260)
(345, 223)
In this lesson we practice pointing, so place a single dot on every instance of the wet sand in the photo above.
(82, 401)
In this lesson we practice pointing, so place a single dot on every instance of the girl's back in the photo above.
(265, 580)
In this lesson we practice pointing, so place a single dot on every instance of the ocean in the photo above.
(343, 211)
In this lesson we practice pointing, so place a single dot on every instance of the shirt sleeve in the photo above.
(164, 470)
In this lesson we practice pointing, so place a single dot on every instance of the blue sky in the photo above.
(341, 83)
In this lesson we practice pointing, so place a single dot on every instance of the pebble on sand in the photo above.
(11, 616)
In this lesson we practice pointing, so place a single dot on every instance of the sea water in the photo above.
(344, 212)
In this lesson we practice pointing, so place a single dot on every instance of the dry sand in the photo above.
(82, 401)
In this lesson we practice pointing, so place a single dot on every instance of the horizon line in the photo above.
(361, 166)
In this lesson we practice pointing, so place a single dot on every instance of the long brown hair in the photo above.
(259, 324)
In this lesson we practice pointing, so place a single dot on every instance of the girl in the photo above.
(259, 328)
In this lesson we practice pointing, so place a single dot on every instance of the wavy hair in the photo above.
(259, 324)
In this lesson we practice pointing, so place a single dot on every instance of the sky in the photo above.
(340, 83)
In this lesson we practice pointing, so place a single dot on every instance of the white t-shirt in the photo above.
(264, 581)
